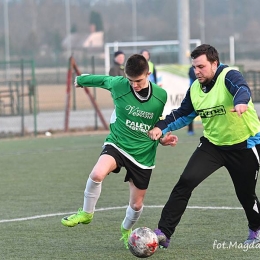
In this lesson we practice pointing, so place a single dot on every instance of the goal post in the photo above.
(115, 46)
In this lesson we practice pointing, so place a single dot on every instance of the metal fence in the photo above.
(33, 102)
(33, 99)
(17, 93)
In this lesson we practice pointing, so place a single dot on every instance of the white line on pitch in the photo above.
(110, 208)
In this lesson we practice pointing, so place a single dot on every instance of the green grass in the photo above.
(45, 178)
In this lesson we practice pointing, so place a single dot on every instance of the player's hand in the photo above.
(169, 139)
(76, 83)
(155, 133)
(240, 109)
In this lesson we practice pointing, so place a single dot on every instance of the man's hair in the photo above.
(210, 52)
(136, 65)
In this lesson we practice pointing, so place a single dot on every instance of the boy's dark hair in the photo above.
(136, 65)
(210, 52)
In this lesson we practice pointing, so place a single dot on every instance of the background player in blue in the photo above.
(231, 139)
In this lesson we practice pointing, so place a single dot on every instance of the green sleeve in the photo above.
(101, 81)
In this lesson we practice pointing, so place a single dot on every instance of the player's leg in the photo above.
(138, 179)
(105, 164)
(133, 211)
(243, 166)
(135, 206)
(103, 167)
(204, 161)
(190, 129)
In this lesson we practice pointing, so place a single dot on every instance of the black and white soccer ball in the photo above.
(143, 242)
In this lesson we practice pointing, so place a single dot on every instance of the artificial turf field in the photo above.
(43, 179)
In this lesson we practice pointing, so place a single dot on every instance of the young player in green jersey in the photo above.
(138, 106)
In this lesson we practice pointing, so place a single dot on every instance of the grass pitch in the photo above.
(43, 179)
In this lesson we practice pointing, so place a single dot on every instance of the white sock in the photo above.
(91, 195)
(131, 217)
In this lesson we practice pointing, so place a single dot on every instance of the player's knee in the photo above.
(97, 176)
(246, 198)
(188, 183)
(136, 206)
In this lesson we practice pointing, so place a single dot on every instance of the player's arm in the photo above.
(238, 88)
(88, 80)
(76, 84)
(178, 118)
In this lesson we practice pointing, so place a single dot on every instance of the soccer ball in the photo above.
(143, 242)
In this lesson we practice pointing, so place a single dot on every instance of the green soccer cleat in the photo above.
(75, 219)
(125, 235)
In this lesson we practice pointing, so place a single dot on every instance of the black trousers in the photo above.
(242, 165)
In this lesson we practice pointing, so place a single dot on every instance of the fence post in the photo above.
(34, 92)
(22, 95)
(94, 92)
(68, 90)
